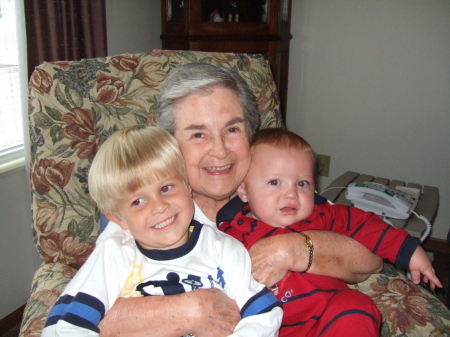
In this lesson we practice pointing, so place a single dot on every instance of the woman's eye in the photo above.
(137, 202)
(233, 130)
(166, 188)
(302, 183)
(274, 182)
(198, 135)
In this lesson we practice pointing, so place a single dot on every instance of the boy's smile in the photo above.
(165, 223)
(158, 214)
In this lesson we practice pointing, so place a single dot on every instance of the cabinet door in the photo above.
(174, 18)
(231, 18)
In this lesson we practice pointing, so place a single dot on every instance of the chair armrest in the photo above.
(406, 308)
(49, 282)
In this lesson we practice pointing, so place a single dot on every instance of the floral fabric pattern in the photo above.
(406, 309)
(75, 105)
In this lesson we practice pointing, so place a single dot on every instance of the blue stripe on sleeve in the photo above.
(406, 250)
(380, 239)
(83, 310)
(261, 302)
(82, 323)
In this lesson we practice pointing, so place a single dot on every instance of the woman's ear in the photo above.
(242, 192)
(117, 220)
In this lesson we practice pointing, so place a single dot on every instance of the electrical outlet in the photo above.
(323, 165)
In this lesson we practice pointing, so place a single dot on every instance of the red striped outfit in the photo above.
(317, 305)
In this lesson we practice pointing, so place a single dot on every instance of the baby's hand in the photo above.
(421, 264)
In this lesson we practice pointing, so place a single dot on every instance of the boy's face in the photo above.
(280, 185)
(158, 214)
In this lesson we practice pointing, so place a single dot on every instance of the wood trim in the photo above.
(11, 320)
(436, 245)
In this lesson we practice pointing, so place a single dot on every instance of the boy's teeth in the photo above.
(165, 223)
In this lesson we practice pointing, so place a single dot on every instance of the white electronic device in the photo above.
(383, 200)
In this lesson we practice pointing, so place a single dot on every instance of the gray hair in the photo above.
(193, 78)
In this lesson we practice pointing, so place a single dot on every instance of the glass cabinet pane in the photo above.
(234, 10)
(285, 11)
(175, 10)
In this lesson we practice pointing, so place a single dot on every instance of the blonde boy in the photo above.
(138, 179)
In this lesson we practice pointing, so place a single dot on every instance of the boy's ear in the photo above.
(117, 220)
(242, 192)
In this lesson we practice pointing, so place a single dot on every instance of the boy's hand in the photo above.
(421, 264)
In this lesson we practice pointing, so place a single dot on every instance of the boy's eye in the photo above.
(302, 183)
(274, 182)
(137, 202)
(166, 188)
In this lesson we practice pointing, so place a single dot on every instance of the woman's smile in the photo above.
(218, 169)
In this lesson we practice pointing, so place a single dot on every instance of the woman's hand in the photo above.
(273, 257)
(203, 312)
(335, 255)
(214, 313)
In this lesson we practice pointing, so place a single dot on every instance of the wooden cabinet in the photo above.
(241, 26)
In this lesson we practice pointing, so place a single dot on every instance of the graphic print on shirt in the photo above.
(194, 281)
(133, 278)
(172, 285)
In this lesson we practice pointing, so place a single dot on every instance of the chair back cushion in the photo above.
(74, 106)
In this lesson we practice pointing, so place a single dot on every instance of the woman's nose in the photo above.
(218, 148)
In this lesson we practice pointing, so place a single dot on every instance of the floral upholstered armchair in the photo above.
(75, 106)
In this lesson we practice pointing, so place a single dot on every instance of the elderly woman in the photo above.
(213, 116)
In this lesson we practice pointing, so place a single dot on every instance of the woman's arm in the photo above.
(203, 312)
(334, 255)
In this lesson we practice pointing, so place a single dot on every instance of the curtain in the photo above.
(64, 30)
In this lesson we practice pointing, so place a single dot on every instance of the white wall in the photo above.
(369, 85)
(18, 255)
(133, 25)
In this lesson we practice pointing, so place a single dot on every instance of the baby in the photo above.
(277, 196)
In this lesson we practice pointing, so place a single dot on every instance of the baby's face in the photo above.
(280, 185)
(159, 213)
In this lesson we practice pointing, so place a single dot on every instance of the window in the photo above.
(11, 124)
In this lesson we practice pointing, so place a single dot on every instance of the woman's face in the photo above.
(211, 131)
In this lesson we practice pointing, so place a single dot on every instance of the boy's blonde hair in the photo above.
(129, 159)
(282, 138)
